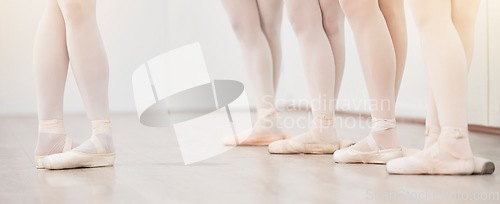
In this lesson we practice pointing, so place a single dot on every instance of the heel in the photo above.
(39, 162)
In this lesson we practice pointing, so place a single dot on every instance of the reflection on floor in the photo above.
(149, 169)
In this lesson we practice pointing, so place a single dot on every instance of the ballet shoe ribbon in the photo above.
(323, 120)
(382, 124)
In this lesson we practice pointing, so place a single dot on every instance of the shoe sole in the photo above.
(268, 140)
(39, 162)
(307, 149)
(367, 157)
(463, 167)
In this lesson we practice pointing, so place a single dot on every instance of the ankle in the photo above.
(323, 126)
(266, 121)
(432, 130)
(52, 138)
(266, 112)
(456, 141)
(384, 132)
(101, 128)
(432, 133)
(449, 132)
(51, 126)
(324, 120)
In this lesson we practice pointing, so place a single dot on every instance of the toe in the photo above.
(277, 146)
(341, 155)
(229, 141)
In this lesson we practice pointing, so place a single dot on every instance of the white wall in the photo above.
(134, 31)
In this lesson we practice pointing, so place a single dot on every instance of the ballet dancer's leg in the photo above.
(90, 66)
(256, 52)
(395, 17)
(432, 127)
(271, 15)
(258, 56)
(394, 14)
(464, 15)
(51, 60)
(333, 24)
(378, 60)
(307, 22)
(88, 57)
(447, 63)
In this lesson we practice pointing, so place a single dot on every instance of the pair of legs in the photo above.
(379, 29)
(463, 16)
(319, 27)
(446, 29)
(380, 32)
(68, 33)
(257, 25)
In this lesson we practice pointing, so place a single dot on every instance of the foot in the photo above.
(482, 166)
(431, 135)
(52, 139)
(450, 155)
(98, 151)
(263, 133)
(321, 139)
(378, 148)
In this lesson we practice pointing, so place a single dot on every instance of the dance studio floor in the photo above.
(149, 169)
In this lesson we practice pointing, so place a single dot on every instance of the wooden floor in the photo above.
(149, 169)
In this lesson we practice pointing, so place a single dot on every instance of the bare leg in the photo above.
(333, 24)
(271, 15)
(51, 60)
(260, 46)
(378, 59)
(447, 64)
